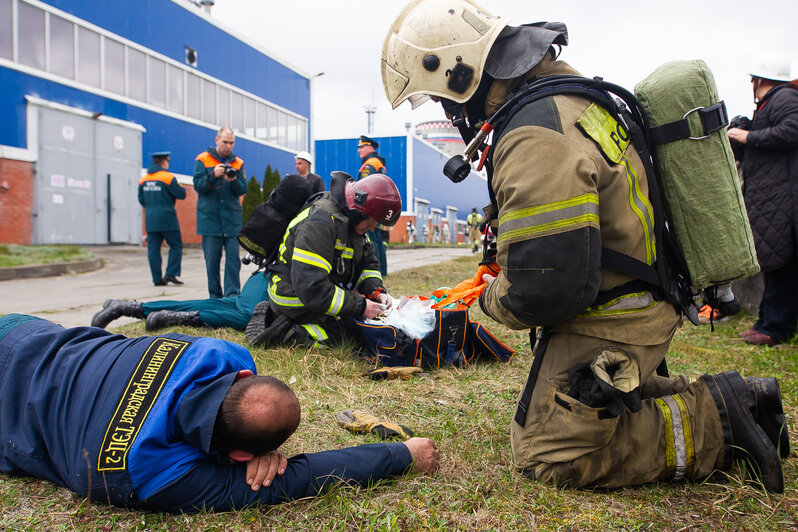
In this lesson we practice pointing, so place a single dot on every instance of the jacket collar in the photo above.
(197, 411)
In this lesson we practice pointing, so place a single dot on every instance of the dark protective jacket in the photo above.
(564, 189)
(316, 183)
(218, 206)
(323, 268)
(770, 176)
(131, 420)
(158, 191)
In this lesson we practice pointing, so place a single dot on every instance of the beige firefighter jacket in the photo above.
(568, 181)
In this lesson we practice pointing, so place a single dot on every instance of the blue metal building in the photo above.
(429, 198)
(90, 88)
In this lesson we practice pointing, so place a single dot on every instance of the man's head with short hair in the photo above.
(225, 140)
(257, 415)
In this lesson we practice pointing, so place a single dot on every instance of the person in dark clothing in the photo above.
(220, 180)
(770, 189)
(304, 161)
(171, 423)
(158, 191)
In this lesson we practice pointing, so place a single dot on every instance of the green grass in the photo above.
(12, 255)
(468, 412)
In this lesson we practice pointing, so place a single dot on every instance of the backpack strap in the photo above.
(713, 118)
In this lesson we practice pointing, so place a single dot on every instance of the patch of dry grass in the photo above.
(468, 412)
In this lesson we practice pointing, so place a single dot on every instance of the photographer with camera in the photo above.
(220, 181)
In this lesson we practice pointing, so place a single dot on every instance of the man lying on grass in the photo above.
(173, 423)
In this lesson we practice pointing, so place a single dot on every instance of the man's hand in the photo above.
(261, 470)
(218, 170)
(740, 135)
(488, 278)
(230, 179)
(425, 454)
(385, 299)
(373, 309)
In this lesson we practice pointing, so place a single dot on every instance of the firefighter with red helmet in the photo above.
(326, 273)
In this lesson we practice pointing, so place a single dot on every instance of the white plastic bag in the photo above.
(413, 316)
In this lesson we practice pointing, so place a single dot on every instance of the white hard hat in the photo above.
(772, 65)
(437, 48)
(304, 156)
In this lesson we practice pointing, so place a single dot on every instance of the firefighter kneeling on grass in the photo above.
(593, 411)
(326, 272)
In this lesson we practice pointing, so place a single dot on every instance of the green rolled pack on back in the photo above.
(696, 172)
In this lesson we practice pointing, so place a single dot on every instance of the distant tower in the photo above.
(370, 110)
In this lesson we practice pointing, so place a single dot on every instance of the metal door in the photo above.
(117, 156)
(451, 217)
(73, 204)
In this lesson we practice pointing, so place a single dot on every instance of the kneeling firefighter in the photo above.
(326, 272)
(567, 184)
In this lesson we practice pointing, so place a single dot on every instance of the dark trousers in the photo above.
(212, 248)
(379, 250)
(175, 243)
(778, 310)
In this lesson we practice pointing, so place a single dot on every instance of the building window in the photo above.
(262, 130)
(209, 101)
(136, 75)
(282, 134)
(175, 89)
(272, 125)
(157, 80)
(193, 100)
(249, 116)
(62, 47)
(6, 30)
(88, 57)
(236, 113)
(224, 106)
(30, 36)
(114, 66)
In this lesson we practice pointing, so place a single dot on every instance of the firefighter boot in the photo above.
(747, 440)
(165, 318)
(769, 413)
(115, 308)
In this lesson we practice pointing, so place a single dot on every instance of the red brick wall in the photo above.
(16, 203)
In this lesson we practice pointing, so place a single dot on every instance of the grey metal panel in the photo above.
(76, 154)
(64, 188)
(451, 217)
(118, 162)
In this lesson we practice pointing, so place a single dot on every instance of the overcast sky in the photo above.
(621, 42)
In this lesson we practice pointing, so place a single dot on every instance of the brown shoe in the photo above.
(747, 333)
(757, 338)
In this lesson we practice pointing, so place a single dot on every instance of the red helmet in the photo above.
(377, 196)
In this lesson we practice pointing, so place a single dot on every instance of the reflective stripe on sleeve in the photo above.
(557, 216)
(337, 301)
(367, 274)
(313, 259)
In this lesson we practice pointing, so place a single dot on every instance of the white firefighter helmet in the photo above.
(305, 156)
(437, 48)
(772, 65)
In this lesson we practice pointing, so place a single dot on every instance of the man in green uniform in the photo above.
(593, 411)
(373, 163)
(158, 191)
(473, 220)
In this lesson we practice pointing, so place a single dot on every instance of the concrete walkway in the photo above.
(71, 300)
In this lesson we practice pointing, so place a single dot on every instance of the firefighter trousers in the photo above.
(677, 433)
